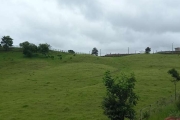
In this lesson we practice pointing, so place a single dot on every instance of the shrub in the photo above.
(28, 48)
(120, 99)
(60, 56)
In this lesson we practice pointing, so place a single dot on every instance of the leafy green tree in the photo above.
(147, 50)
(120, 99)
(28, 48)
(94, 51)
(6, 42)
(44, 48)
(173, 72)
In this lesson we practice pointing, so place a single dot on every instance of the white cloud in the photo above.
(110, 25)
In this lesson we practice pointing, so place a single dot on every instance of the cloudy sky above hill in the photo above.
(109, 25)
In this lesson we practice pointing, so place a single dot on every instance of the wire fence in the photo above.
(19, 49)
(151, 109)
(66, 51)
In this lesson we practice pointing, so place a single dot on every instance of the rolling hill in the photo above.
(42, 88)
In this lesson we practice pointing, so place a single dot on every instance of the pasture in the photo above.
(72, 88)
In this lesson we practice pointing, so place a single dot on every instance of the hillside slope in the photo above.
(72, 88)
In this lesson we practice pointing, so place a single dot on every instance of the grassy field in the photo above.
(72, 88)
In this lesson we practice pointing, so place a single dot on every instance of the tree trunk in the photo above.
(175, 90)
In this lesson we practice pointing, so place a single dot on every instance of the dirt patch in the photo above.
(172, 118)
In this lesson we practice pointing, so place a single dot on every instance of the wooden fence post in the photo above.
(149, 109)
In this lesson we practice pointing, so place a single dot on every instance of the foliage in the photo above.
(44, 48)
(176, 77)
(28, 48)
(71, 51)
(94, 51)
(174, 74)
(147, 50)
(120, 99)
(60, 56)
(175, 114)
(6, 42)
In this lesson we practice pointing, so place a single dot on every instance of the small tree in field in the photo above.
(6, 42)
(121, 98)
(148, 50)
(28, 48)
(94, 51)
(176, 78)
(44, 48)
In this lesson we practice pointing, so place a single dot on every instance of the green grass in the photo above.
(164, 112)
(72, 88)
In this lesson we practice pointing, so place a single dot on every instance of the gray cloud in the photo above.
(111, 26)
(91, 9)
(150, 17)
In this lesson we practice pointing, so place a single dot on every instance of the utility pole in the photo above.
(100, 52)
(172, 47)
(128, 50)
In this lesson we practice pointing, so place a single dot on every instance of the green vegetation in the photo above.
(176, 78)
(147, 50)
(94, 51)
(40, 88)
(29, 49)
(165, 112)
(43, 48)
(120, 99)
(6, 42)
(172, 110)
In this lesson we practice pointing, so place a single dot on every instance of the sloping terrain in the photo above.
(42, 88)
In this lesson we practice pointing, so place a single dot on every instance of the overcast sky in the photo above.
(80, 25)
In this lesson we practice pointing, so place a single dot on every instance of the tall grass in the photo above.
(168, 111)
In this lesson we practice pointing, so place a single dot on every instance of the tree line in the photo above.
(29, 48)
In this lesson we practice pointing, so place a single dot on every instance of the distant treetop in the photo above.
(148, 50)
(94, 51)
(6, 42)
